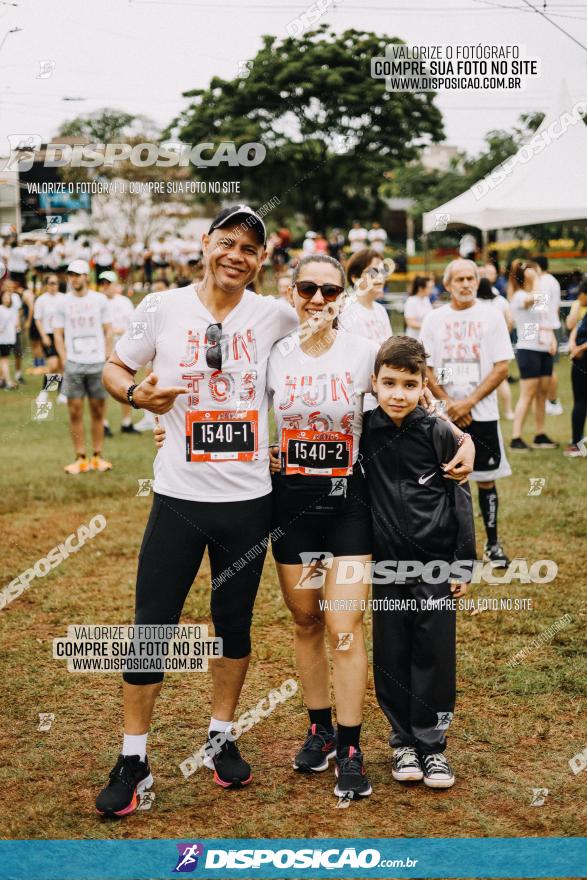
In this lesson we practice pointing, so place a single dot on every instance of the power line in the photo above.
(557, 26)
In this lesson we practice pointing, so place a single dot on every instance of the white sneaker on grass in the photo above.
(437, 771)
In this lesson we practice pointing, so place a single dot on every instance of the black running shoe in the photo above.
(437, 771)
(518, 445)
(319, 747)
(128, 778)
(406, 766)
(108, 431)
(496, 553)
(542, 441)
(351, 774)
(230, 770)
(129, 429)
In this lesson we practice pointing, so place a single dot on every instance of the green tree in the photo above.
(331, 131)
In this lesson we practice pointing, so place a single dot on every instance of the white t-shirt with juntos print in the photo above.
(216, 444)
(462, 346)
(371, 323)
(323, 393)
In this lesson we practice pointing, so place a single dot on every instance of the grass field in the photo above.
(515, 728)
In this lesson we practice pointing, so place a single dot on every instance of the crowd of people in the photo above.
(375, 438)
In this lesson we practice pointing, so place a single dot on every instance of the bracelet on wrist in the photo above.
(462, 439)
(129, 396)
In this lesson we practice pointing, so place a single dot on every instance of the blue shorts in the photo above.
(533, 364)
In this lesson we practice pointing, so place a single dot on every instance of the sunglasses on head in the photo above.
(214, 353)
(307, 290)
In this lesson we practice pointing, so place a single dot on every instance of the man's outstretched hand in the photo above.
(157, 400)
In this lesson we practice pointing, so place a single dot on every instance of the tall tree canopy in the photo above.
(330, 129)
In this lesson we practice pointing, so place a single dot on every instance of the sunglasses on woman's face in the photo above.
(214, 353)
(307, 290)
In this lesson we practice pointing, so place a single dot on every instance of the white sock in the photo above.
(126, 422)
(219, 726)
(135, 744)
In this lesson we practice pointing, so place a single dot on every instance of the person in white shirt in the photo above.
(418, 304)
(45, 309)
(550, 287)
(121, 313)
(468, 348)
(83, 339)
(487, 293)
(535, 351)
(468, 246)
(365, 316)
(309, 243)
(103, 257)
(7, 338)
(16, 309)
(358, 237)
(209, 345)
(17, 264)
(377, 237)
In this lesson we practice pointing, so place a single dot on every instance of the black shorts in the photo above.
(5, 350)
(34, 334)
(18, 345)
(487, 447)
(330, 515)
(50, 350)
(533, 364)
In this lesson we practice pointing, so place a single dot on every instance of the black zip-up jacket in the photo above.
(417, 514)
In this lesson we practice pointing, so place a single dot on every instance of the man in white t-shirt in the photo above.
(358, 237)
(83, 339)
(469, 348)
(121, 313)
(209, 344)
(550, 287)
(377, 237)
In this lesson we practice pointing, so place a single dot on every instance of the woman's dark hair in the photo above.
(418, 283)
(359, 262)
(485, 290)
(317, 258)
(582, 286)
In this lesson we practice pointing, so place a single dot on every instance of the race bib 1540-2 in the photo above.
(316, 453)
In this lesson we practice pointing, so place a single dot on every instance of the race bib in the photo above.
(85, 345)
(316, 453)
(461, 373)
(222, 435)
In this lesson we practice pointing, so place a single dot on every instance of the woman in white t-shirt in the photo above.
(488, 293)
(7, 338)
(317, 379)
(365, 316)
(418, 304)
(535, 351)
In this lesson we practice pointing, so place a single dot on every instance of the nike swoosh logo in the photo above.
(423, 480)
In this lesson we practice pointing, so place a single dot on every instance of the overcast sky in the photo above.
(139, 55)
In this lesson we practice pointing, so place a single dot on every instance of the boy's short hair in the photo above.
(402, 353)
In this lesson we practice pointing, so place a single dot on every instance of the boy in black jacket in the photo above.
(423, 528)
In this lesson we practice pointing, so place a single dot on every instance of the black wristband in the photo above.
(129, 396)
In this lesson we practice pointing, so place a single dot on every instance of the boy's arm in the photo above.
(465, 549)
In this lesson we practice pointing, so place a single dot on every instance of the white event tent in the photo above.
(545, 182)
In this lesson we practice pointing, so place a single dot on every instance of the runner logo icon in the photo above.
(187, 860)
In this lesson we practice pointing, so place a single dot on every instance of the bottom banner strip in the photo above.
(291, 857)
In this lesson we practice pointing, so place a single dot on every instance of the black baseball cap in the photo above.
(229, 216)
